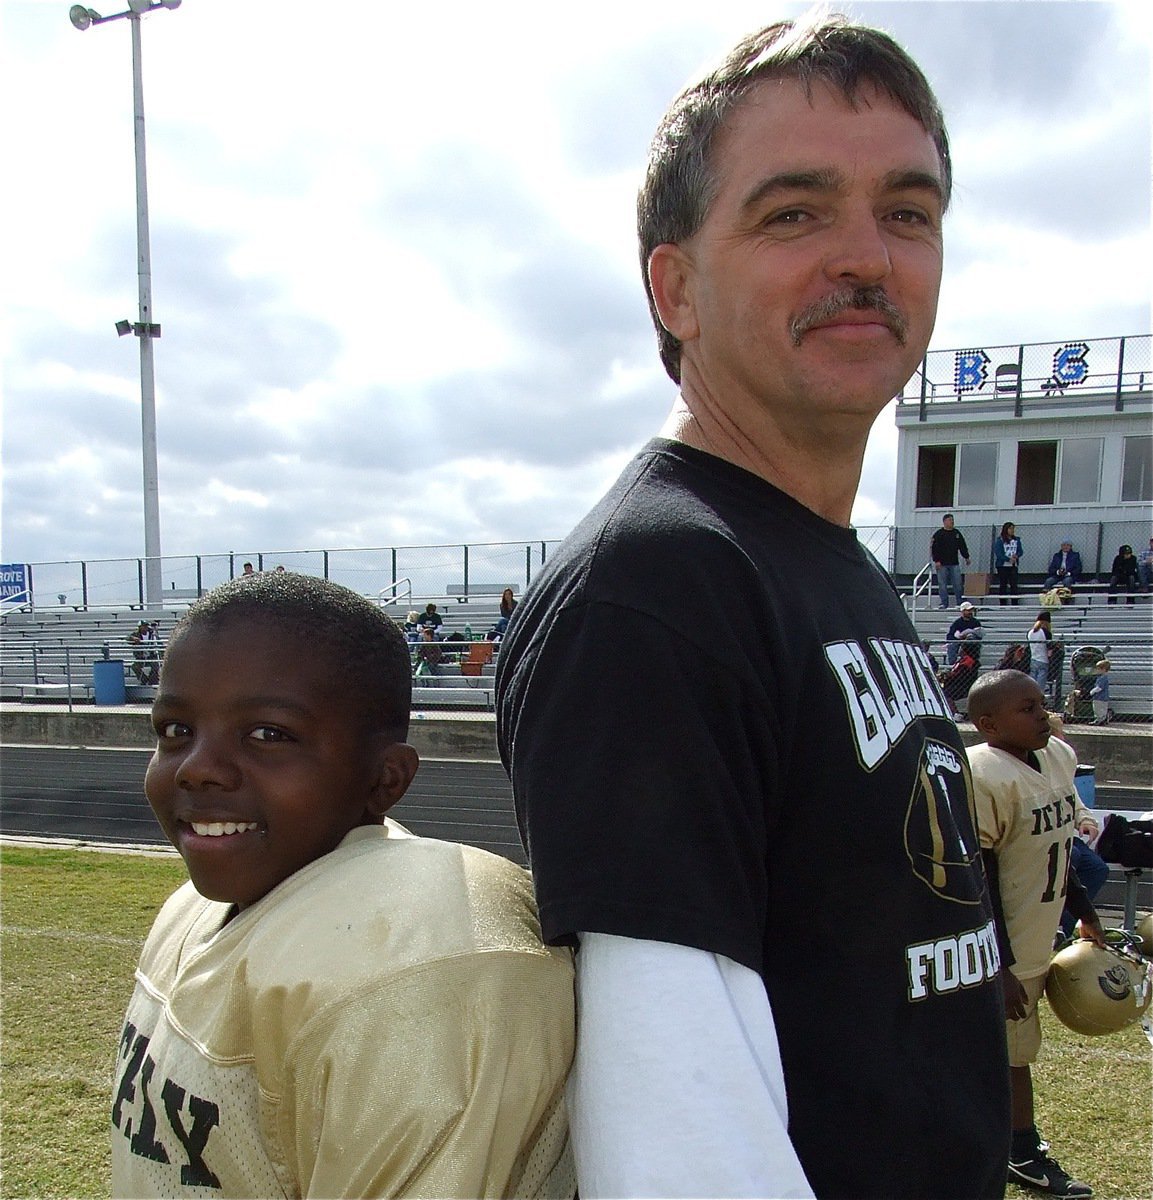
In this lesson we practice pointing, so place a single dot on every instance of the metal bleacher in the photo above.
(1123, 632)
(47, 653)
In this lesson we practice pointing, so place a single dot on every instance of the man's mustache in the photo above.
(828, 307)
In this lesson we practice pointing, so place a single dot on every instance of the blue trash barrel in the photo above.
(1085, 781)
(108, 681)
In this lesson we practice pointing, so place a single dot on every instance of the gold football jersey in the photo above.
(1028, 818)
(385, 1022)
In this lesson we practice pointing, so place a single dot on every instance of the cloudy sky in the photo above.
(392, 250)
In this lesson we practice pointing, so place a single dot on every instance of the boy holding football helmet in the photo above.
(1026, 820)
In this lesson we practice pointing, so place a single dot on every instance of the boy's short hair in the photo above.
(1103, 662)
(366, 652)
(989, 691)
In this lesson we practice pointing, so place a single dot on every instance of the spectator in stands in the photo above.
(965, 628)
(1007, 551)
(675, 777)
(1039, 638)
(958, 679)
(247, 569)
(146, 653)
(1015, 658)
(1064, 568)
(946, 549)
(430, 619)
(1145, 568)
(429, 655)
(411, 626)
(1123, 574)
(507, 605)
(1099, 692)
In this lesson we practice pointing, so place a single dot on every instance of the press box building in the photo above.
(1055, 437)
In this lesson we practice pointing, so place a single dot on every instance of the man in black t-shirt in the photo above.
(946, 549)
(759, 832)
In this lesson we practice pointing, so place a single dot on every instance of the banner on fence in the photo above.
(13, 583)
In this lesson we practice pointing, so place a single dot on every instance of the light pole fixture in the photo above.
(144, 328)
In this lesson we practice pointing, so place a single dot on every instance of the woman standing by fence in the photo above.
(1006, 555)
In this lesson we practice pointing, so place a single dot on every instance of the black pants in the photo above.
(1008, 583)
(1117, 584)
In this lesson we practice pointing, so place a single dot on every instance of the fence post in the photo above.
(1118, 403)
(199, 576)
(35, 663)
(465, 548)
(84, 584)
(1100, 543)
(68, 675)
(325, 557)
(140, 582)
(527, 564)
(393, 549)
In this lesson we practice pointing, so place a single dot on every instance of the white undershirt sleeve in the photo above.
(676, 1088)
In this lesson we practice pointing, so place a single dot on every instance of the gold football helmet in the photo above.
(1144, 932)
(1094, 990)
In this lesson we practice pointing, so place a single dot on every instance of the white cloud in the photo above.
(393, 251)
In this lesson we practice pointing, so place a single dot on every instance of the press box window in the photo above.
(1137, 469)
(977, 473)
(1036, 472)
(936, 468)
(1080, 471)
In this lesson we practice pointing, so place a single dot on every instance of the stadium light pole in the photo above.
(144, 328)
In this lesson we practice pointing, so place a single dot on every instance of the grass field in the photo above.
(73, 922)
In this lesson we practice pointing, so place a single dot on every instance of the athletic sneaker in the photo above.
(1044, 1174)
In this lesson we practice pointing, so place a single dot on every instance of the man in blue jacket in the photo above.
(1064, 567)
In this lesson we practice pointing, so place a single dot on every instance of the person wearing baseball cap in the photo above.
(965, 628)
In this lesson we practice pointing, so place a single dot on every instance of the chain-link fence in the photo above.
(1097, 542)
(392, 574)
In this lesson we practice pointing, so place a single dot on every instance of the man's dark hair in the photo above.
(368, 654)
(680, 182)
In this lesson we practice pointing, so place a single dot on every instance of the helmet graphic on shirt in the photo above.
(1095, 991)
(940, 826)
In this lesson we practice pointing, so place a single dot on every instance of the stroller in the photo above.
(1078, 703)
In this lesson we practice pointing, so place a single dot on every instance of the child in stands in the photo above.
(331, 1006)
(1026, 821)
(1099, 692)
